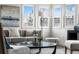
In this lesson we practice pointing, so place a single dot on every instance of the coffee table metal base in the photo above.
(54, 52)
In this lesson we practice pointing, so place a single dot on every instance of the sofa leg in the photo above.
(71, 51)
(65, 50)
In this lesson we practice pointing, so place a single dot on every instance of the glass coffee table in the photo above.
(40, 45)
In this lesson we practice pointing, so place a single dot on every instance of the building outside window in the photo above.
(28, 16)
(43, 16)
(70, 12)
(56, 16)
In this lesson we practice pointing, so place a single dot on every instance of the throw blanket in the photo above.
(19, 50)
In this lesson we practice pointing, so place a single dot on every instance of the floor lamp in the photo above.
(41, 23)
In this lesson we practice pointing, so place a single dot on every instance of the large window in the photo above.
(56, 16)
(28, 16)
(39, 15)
(43, 16)
(70, 12)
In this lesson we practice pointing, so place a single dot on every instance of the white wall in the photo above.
(10, 10)
(61, 34)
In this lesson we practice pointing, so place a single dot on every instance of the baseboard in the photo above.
(61, 46)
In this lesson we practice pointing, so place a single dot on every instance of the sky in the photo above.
(57, 9)
(71, 8)
(27, 10)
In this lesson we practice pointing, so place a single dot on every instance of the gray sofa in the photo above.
(19, 49)
(23, 33)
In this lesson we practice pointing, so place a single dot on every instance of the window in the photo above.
(28, 16)
(56, 16)
(70, 11)
(43, 15)
(62, 15)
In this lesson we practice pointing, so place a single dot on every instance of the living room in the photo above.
(24, 24)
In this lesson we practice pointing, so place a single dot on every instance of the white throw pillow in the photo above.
(13, 32)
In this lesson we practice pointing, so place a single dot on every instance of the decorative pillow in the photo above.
(13, 32)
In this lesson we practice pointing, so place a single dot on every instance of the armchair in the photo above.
(72, 45)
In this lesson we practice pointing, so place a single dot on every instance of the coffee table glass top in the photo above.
(42, 44)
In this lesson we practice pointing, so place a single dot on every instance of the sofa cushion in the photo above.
(29, 33)
(13, 32)
(6, 33)
(22, 33)
(68, 43)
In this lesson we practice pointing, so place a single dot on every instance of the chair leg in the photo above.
(65, 50)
